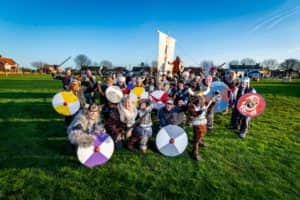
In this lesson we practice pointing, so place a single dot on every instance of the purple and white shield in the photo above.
(171, 140)
(97, 154)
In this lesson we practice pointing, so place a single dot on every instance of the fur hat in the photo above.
(93, 108)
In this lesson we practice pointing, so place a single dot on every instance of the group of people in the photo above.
(130, 123)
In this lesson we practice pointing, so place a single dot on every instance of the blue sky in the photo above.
(125, 31)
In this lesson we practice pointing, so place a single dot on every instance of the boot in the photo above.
(195, 152)
(243, 134)
(202, 144)
(143, 144)
(131, 142)
(144, 150)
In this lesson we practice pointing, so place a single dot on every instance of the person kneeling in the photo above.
(171, 114)
(143, 131)
(83, 129)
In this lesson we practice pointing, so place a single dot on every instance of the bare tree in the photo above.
(207, 64)
(82, 60)
(270, 63)
(106, 63)
(234, 62)
(248, 61)
(37, 64)
(290, 65)
(95, 64)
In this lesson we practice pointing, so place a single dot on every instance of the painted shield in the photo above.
(138, 93)
(171, 140)
(114, 94)
(251, 105)
(158, 97)
(218, 86)
(97, 154)
(65, 103)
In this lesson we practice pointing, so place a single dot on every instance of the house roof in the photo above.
(7, 60)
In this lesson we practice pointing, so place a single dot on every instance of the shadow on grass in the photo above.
(25, 95)
(28, 110)
(30, 85)
(35, 144)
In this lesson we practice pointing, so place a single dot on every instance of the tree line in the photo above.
(291, 64)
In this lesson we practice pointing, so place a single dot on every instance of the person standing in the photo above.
(239, 121)
(177, 66)
(90, 84)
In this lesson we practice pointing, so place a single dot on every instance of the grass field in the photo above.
(36, 161)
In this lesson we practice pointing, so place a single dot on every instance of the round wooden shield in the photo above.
(97, 154)
(138, 93)
(65, 103)
(171, 140)
(251, 105)
(218, 86)
(158, 97)
(113, 94)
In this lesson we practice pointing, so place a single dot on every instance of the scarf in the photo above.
(127, 116)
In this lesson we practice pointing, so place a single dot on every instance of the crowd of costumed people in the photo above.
(123, 108)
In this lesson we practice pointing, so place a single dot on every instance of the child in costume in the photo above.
(143, 130)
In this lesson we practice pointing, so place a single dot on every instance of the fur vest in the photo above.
(81, 129)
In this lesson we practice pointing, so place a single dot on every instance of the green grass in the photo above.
(36, 161)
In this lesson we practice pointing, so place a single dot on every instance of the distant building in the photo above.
(8, 64)
(94, 69)
(50, 69)
(195, 70)
(245, 69)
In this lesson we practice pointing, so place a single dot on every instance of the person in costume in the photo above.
(198, 110)
(205, 88)
(239, 121)
(143, 131)
(65, 79)
(128, 113)
(186, 77)
(171, 114)
(103, 100)
(232, 82)
(121, 82)
(85, 126)
(180, 93)
(90, 86)
(177, 66)
(151, 85)
(77, 91)
(120, 120)
(139, 82)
